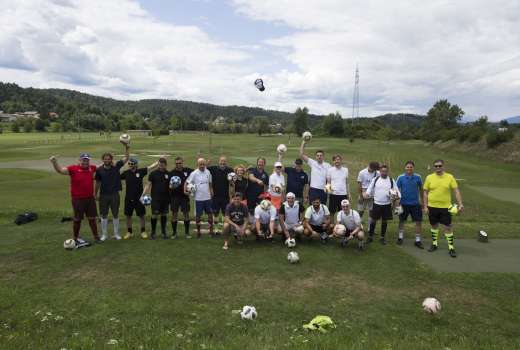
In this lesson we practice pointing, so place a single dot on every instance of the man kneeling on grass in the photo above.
(351, 227)
(317, 220)
(265, 219)
(235, 220)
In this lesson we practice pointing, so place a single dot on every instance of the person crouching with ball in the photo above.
(348, 225)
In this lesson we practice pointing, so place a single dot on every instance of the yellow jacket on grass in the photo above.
(439, 189)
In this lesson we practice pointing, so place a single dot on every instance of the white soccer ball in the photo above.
(398, 210)
(69, 244)
(248, 313)
(340, 230)
(232, 177)
(265, 204)
(293, 257)
(146, 199)
(394, 194)
(307, 136)
(191, 188)
(278, 188)
(281, 148)
(290, 242)
(124, 138)
(431, 305)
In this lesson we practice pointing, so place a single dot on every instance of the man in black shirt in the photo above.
(159, 184)
(133, 178)
(298, 182)
(108, 185)
(179, 198)
(220, 184)
(258, 182)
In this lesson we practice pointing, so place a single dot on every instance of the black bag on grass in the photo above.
(25, 218)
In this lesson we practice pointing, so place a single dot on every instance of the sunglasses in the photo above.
(132, 164)
(438, 165)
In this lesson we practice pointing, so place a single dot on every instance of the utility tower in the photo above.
(355, 99)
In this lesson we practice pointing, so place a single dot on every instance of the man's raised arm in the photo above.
(57, 167)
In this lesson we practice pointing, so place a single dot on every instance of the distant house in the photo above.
(5, 117)
(53, 115)
(219, 121)
(502, 129)
(28, 114)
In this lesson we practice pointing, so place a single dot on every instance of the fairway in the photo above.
(183, 294)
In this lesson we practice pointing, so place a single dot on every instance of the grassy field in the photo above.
(181, 294)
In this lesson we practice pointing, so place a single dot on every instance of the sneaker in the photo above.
(382, 240)
(343, 242)
(98, 240)
(399, 241)
(361, 246)
(324, 237)
(164, 236)
(418, 244)
(225, 247)
(174, 236)
(103, 237)
(144, 235)
(117, 237)
(128, 235)
(370, 239)
(452, 253)
(432, 248)
(188, 236)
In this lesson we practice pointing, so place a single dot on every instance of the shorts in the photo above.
(110, 201)
(439, 216)
(365, 204)
(318, 229)
(160, 206)
(134, 204)
(381, 212)
(219, 205)
(84, 207)
(202, 207)
(182, 202)
(414, 211)
(335, 202)
(317, 193)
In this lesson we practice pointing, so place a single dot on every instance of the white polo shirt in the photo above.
(365, 177)
(202, 180)
(291, 214)
(352, 220)
(317, 218)
(380, 190)
(265, 216)
(338, 179)
(275, 179)
(318, 173)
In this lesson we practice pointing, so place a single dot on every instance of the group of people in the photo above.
(250, 201)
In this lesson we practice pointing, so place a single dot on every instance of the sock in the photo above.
(384, 224)
(104, 226)
(186, 227)
(174, 227)
(449, 238)
(163, 224)
(435, 236)
(210, 224)
(197, 221)
(417, 237)
(372, 229)
(93, 227)
(115, 222)
(76, 225)
(401, 234)
(154, 225)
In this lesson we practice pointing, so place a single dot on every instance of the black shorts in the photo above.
(318, 229)
(160, 206)
(415, 211)
(219, 205)
(84, 207)
(335, 202)
(439, 216)
(383, 212)
(182, 202)
(134, 204)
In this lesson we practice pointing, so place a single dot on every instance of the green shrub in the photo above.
(495, 138)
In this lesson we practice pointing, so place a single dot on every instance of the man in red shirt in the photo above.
(82, 192)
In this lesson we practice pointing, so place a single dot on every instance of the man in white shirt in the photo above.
(380, 190)
(265, 218)
(337, 179)
(351, 220)
(201, 178)
(366, 176)
(318, 174)
(317, 221)
(277, 185)
(291, 217)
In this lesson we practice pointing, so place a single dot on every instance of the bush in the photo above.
(495, 138)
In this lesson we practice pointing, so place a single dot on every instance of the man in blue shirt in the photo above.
(411, 187)
(298, 182)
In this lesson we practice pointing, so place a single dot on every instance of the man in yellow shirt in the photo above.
(437, 201)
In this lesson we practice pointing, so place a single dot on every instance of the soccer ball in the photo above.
(328, 188)
(175, 182)
(265, 204)
(278, 188)
(453, 209)
(340, 230)
(69, 244)
(232, 177)
(248, 313)
(482, 236)
(290, 242)
(281, 148)
(124, 138)
(398, 210)
(431, 305)
(394, 194)
(146, 199)
(191, 188)
(293, 257)
(307, 136)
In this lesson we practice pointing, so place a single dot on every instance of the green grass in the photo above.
(181, 294)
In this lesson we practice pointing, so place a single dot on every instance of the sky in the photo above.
(410, 53)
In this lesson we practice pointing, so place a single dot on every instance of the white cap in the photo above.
(345, 202)
(290, 195)
(278, 164)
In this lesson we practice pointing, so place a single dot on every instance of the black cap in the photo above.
(298, 161)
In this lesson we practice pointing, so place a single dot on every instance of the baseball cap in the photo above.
(133, 160)
(345, 202)
(278, 164)
(298, 161)
(84, 156)
(290, 195)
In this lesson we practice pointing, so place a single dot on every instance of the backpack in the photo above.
(25, 218)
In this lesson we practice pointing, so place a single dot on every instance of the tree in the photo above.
(39, 125)
(262, 125)
(333, 124)
(443, 115)
(15, 126)
(301, 120)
